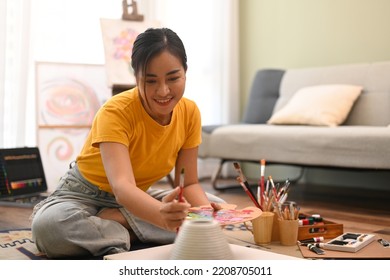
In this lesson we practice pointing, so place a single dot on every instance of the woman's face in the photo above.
(162, 86)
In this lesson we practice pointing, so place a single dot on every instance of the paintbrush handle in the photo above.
(181, 194)
(253, 199)
(250, 194)
(262, 189)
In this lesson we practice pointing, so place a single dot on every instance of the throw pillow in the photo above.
(323, 105)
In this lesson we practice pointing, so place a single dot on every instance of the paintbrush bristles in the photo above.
(238, 169)
(272, 181)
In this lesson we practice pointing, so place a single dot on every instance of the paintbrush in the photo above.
(240, 173)
(181, 185)
(243, 182)
(248, 192)
(273, 189)
(262, 171)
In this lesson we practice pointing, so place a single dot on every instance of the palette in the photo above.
(226, 216)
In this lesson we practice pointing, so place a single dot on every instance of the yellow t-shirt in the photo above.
(153, 148)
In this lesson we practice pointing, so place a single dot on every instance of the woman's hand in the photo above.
(172, 211)
(215, 206)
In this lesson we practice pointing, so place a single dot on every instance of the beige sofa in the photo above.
(361, 141)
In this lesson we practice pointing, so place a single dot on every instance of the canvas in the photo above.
(118, 39)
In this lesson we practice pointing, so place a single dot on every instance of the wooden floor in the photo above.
(358, 210)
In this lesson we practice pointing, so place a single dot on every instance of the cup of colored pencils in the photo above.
(288, 222)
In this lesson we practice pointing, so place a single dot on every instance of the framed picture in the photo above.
(118, 40)
(68, 97)
(69, 94)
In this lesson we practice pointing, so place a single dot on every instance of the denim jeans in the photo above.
(65, 224)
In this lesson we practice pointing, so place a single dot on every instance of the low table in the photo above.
(245, 238)
(163, 253)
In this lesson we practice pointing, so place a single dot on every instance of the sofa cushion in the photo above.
(339, 146)
(325, 105)
(374, 77)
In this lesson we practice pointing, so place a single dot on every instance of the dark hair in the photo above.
(152, 42)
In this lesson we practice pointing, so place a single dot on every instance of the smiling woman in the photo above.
(137, 138)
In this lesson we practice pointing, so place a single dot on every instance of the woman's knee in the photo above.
(50, 229)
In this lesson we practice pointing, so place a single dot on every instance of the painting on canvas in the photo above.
(118, 39)
(68, 97)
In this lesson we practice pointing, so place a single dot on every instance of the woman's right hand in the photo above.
(172, 211)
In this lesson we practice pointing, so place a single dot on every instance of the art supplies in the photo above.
(288, 222)
(316, 249)
(349, 242)
(311, 240)
(288, 231)
(261, 187)
(268, 194)
(226, 216)
(384, 243)
(314, 226)
(245, 185)
(262, 228)
(181, 185)
(287, 211)
(249, 193)
(275, 195)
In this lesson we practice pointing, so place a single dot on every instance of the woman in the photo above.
(103, 202)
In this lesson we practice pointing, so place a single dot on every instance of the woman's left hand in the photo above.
(216, 206)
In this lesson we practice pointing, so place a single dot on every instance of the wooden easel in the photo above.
(134, 14)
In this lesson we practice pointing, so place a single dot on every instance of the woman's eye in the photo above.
(173, 78)
(150, 81)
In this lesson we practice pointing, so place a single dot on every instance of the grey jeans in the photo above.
(66, 225)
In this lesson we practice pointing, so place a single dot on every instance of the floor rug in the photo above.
(18, 245)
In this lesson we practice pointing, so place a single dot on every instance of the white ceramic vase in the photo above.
(201, 240)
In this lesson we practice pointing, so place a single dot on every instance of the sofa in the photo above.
(272, 130)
